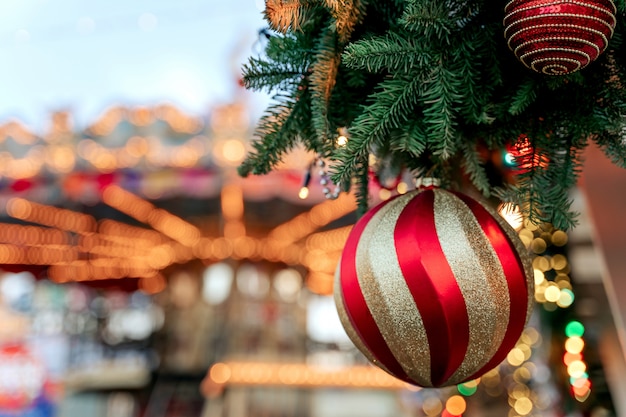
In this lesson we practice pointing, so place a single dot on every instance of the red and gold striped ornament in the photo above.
(434, 287)
(558, 37)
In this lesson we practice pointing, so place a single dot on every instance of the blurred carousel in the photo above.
(136, 258)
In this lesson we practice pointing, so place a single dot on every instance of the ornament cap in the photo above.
(427, 183)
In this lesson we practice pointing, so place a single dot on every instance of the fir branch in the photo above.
(286, 61)
(278, 132)
(260, 75)
(439, 96)
(362, 186)
(292, 49)
(391, 106)
(549, 166)
(285, 15)
(476, 96)
(322, 81)
(561, 175)
(473, 166)
(386, 11)
(429, 18)
(438, 19)
(392, 52)
(411, 139)
(614, 146)
(345, 102)
(524, 96)
(347, 15)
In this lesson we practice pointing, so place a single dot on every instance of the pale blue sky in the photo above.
(86, 55)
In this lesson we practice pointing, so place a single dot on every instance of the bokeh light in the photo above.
(456, 405)
(574, 328)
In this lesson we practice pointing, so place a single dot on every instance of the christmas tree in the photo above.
(432, 87)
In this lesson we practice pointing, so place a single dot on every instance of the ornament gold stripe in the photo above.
(561, 58)
(568, 2)
(480, 277)
(555, 62)
(559, 48)
(524, 256)
(347, 324)
(557, 69)
(387, 295)
(511, 38)
(537, 62)
(551, 26)
(560, 16)
(524, 57)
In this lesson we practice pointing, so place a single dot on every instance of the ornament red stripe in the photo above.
(514, 273)
(433, 286)
(356, 306)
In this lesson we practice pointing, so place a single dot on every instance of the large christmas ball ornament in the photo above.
(434, 287)
(558, 37)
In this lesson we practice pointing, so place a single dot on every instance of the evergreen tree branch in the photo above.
(473, 166)
(422, 83)
(440, 94)
(260, 75)
(438, 19)
(278, 132)
(285, 15)
(613, 146)
(411, 139)
(391, 106)
(291, 49)
(362, 186)
(524, 96)
(347, 15)
(322, 81)
(561, 174)
(392, 52)
(477, 90)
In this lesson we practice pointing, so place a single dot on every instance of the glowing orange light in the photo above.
(171, 226)
(456, 405)
(234, 230)
(232, 202)
(50, 216)
(305, 223)
(581, 391)
(19, 208)
(152, 285)
(320, 283)
(62, 158)
(570, 357)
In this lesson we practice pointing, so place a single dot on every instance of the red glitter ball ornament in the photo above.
(434, 287)
(558, 37)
